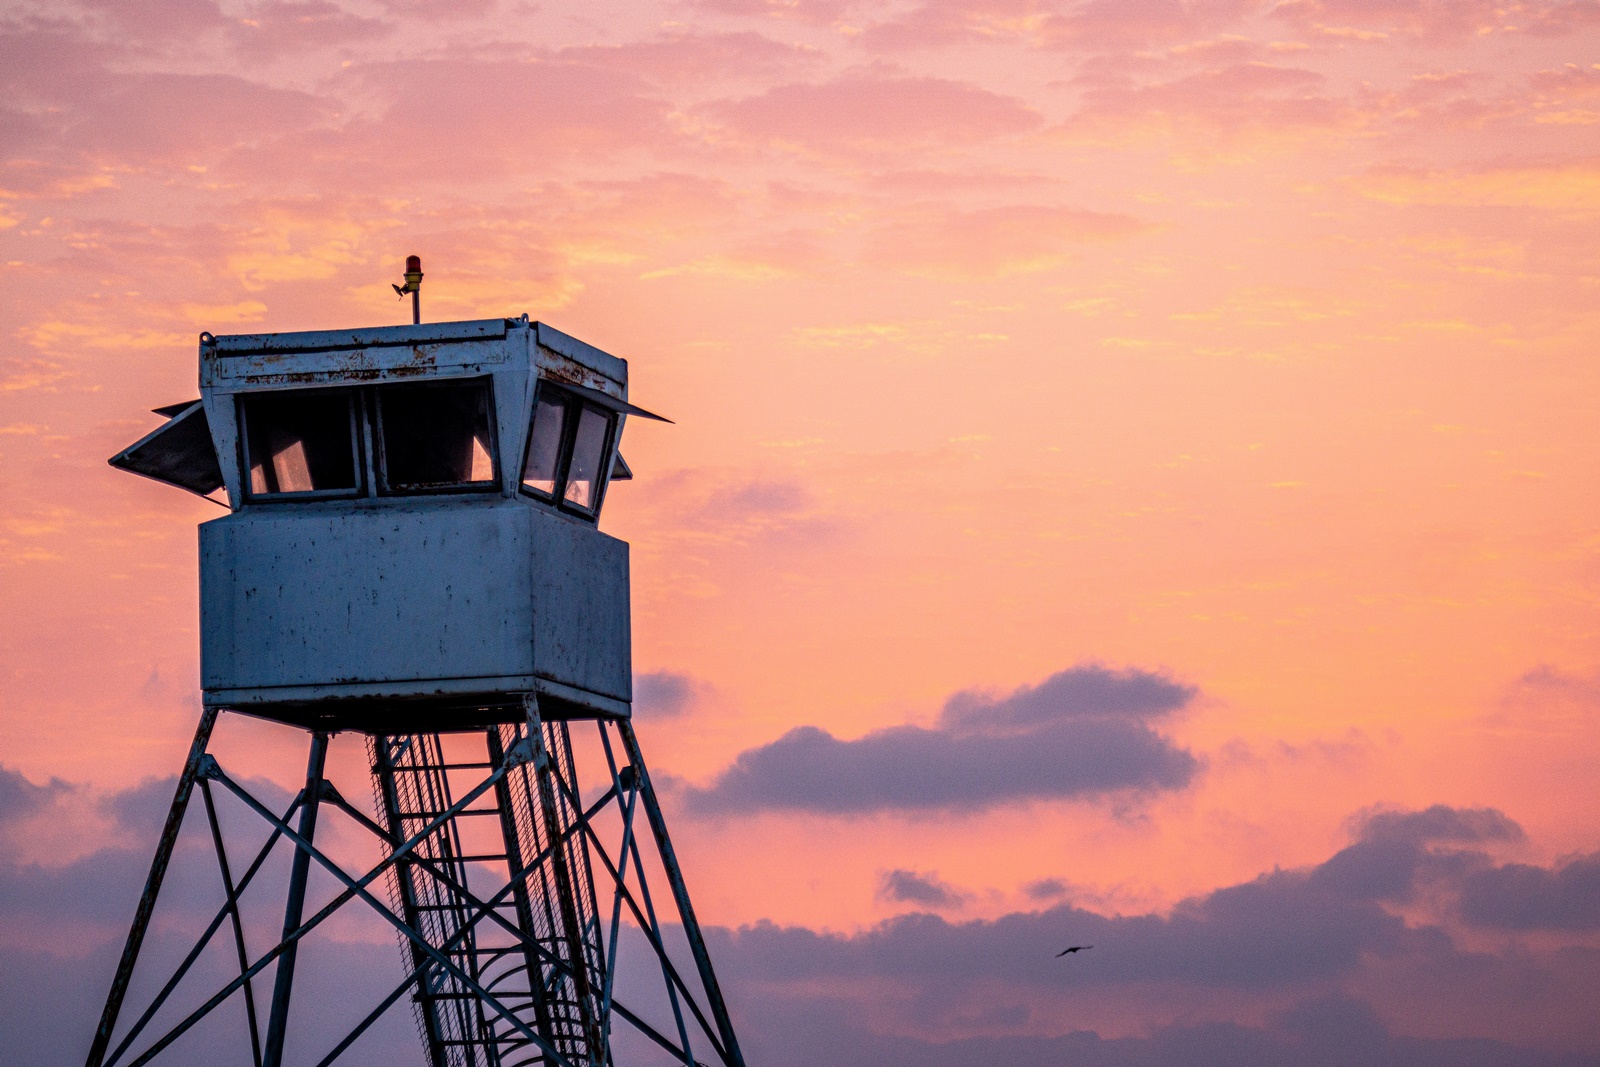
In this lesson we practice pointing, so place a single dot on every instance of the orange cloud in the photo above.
(1566, 187)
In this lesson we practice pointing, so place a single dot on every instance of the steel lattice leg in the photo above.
(283, 982)
(518, 975)
(680, 893)
(152, 889)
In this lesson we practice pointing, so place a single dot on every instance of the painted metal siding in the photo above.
(581, 632)
(409, 599)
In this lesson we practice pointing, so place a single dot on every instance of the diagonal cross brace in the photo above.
(650, 928)
(492, 1002)
(207, 767)
(232, 902)
(488, 909)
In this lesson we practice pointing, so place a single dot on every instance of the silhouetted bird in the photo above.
(1074, 948)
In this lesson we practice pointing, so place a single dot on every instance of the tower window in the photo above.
(543, 468)
(300, 442)
(588, 452)
(569, 450)
(435, 436)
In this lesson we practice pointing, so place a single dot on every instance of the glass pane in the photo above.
(436, 436)
(299, 441)
(588, 449)
(544, 445)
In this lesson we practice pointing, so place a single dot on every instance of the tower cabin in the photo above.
(412, 540)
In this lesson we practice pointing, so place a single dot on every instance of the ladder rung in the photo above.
(460, 1042)
(484, 857)
(473, 996)
(436, 814)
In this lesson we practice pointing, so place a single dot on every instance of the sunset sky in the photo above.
(1204, 391)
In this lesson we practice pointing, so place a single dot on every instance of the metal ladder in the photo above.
(544, 967)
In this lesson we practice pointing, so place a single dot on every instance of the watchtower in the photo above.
(412, 552)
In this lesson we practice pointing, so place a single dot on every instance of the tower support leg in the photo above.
(283, 982)
(680, 893)
(152, 889)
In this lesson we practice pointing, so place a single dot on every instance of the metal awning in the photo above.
(180, 452)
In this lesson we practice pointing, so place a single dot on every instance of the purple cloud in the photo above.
(916, 887)
(1522, 897)
(663, 694)
(1081, 733)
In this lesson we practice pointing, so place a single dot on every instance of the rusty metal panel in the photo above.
(312, 340)
(581, 631)
(349, 365)
(567, 360)
(585, 355)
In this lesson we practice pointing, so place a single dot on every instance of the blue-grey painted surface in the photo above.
(411, 598)
(581, 633)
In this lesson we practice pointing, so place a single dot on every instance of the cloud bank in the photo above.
(1083, 732)
(1322, 954)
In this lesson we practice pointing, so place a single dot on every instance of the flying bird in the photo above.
(1073, 948)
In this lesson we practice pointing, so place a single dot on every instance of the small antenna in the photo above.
(413, 286)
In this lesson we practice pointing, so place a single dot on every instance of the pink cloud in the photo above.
(1438, 21)
(868, 112)
(187, 117)
(817, 12)
(438, 10)
(945, 183)
(527, 104)
(1566, 97)
(466, 119)
(256, 27)
(1096, 25)
(1016, 239)
(1232, 99)
(1570, 82)
(149, 21)
(698, 57)
(945, 22)
(44, 64)
(68, 104)
(296, 26)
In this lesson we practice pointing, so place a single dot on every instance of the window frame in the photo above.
(380, 461)
(573, 405)
(356, 404)
(366, 444)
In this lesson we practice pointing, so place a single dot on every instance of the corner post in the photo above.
(283, 983)
(680, 893)
(152, 888)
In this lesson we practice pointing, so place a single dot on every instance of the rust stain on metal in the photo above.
(564, 371)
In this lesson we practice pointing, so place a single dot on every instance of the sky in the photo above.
(1132, 480)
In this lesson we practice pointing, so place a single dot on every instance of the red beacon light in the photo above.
(413, 286)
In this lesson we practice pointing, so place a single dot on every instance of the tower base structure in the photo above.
(510, 892)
